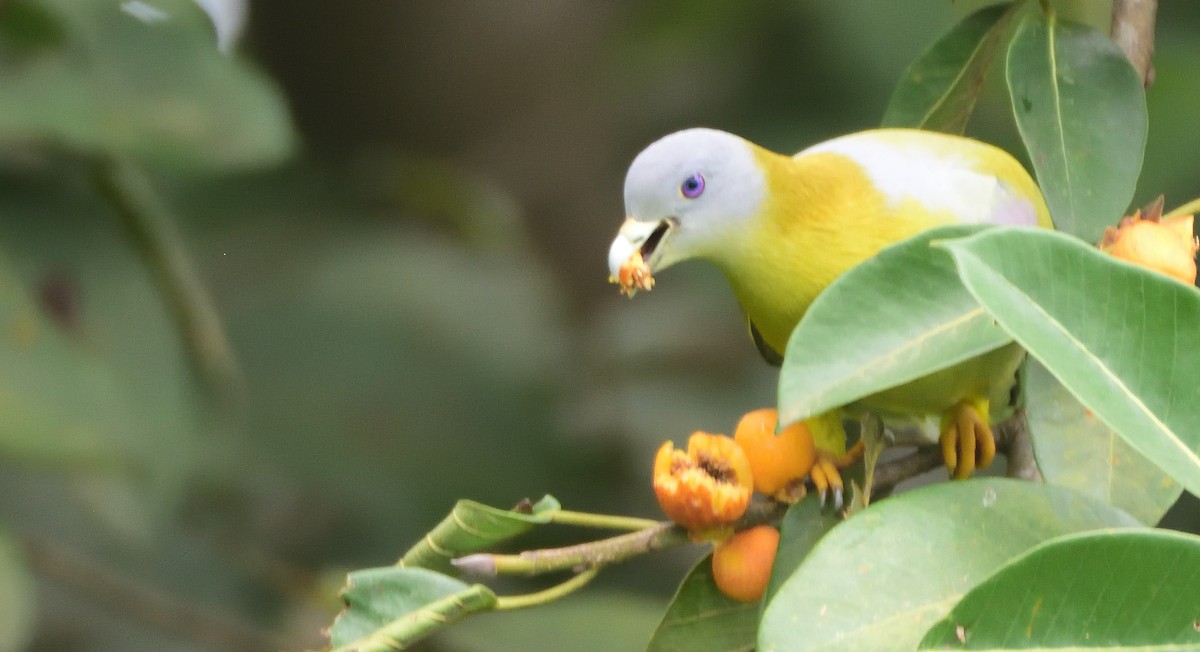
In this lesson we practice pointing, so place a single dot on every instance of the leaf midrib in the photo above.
(1052, 22)
(988, 37)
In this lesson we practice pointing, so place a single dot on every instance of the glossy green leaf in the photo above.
(802, 527)
(17, 598)
(388, 608)
(1131, 591)
(1124, 340)
(899, 316)
(471, 527)
(702, 619)
(1075, 449)
(880, 579)
(939, 89)
(107, 78)
(1081, 111)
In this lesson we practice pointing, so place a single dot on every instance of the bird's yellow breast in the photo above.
(831, 207)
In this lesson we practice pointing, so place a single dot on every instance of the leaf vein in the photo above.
(945, 96)
(1058, 115)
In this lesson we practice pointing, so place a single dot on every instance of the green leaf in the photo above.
(471, 527)
(98, 78)
(939, 89)
(1133, 590)
(387, 608)
(1124, 340)
(17, 598)
(1074, 449)
(881, 578)
(1081, 111)
(701, 619)
(899, 316)
(802, 527)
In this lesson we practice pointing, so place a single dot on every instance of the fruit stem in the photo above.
(1187, 209)
(663, 534)
(509, 602)
(601, 521)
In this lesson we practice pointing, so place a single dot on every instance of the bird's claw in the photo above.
(827, 477)
(838, 498)
(889, 436)
(967, 441)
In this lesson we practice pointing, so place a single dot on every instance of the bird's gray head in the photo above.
(688, 195)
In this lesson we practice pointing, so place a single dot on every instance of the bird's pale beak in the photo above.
(634, 253)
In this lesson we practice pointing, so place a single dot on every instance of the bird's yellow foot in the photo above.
(826, 473)
(967, 441)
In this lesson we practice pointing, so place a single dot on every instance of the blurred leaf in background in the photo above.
(134, 78)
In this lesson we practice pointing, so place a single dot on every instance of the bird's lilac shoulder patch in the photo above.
(1012, 209)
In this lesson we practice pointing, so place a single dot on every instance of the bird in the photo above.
(781, 228)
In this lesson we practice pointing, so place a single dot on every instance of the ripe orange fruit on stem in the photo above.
(741, 565)
(777, 461)
(708, 486)
(1167, 246)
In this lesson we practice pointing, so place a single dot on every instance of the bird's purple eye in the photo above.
(692, 186)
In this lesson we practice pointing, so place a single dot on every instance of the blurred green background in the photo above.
(401, 212)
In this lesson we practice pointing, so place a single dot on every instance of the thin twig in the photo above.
(1014, 432)
(603, 552)
(510, 602)
(1012, 439)
(593, 553)
(922, 460)
(129, 598)
(152, 229)
(1133, 32)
